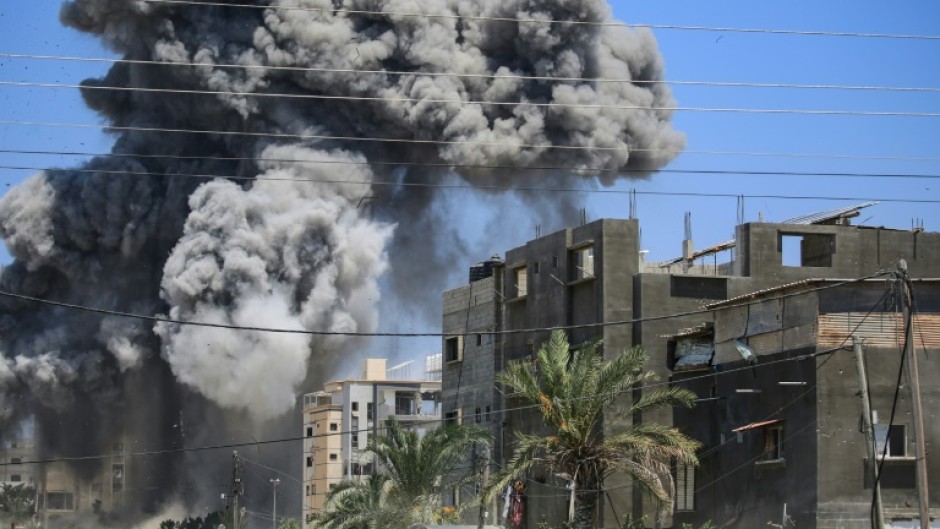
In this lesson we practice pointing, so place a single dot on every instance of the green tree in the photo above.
(573, 390)
(413, 473)
(361, 505)
(288, 523)
(17, 504)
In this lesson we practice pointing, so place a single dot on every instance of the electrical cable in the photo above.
(537, 78)
(544, 22)
(442, 165)
(411, 424)
(418, 100)
(162, 319)
(142, 155)
(519, 189)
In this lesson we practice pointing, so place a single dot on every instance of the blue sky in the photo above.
(33, 27)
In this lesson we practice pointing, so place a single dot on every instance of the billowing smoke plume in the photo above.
(307, 212)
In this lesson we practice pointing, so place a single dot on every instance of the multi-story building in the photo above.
(62, 490)
(780, 415)
(339, 420)
(596, 273)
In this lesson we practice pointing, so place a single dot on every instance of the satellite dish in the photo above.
(746, 352)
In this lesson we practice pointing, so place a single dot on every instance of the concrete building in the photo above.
(64, 489)
(787, 436)
(338, 422)
(597, 273)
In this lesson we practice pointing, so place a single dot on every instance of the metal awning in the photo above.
(755, 425)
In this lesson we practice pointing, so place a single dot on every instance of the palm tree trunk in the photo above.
(587, 486)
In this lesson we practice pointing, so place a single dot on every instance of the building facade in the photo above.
(339, 420)
(597, 273)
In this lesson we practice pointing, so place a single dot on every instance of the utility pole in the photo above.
(913, 375)
(236, 488)
(484, 482)
(274, 483)
(869, 430)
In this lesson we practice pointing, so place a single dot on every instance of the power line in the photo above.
(163, 319)
(543, 22)
(383, 99)
(410, 424)
(537, 78)
(527, 189)
(761, 154)
(713, 172)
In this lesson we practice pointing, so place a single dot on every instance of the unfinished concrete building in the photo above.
(781, 413)
(596, 273)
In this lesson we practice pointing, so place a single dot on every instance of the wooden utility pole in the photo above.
(484, 482)
(913, 375)
(869, 428)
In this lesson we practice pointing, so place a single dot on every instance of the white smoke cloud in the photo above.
(285, 253)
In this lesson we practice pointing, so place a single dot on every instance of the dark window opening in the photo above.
(773, 443)
(405, 403)
(452, 418)
(16, 477)
(355, 406)
(535, 267)
(479, 340)
(453, 349)
(478, 416)
(582, 261)
(487, 414)
(697, 287)
(890, 441)
(310, 431)
(16, 461)
(59, 501)
(309, 461)
(355, 441)
(334, 427)
(334, 457)
(807, 249)
(370, 411)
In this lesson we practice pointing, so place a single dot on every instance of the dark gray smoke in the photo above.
(303, 242)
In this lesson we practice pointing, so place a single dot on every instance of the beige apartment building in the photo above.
(338, 421)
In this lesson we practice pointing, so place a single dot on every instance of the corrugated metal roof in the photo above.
(755, 425)
(880, 329)
(825, 216)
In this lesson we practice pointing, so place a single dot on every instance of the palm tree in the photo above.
(413, 473)
(361, 505)
(572, 391)
(422, 468)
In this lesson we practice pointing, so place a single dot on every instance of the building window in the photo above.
(334, 427)
(535, 267)
(773, 443)
(453, 418)
(478, 416)
(555, 262)
(404, 403)
(355, 406)
(890, 440)
(334, 457)
(479, 340)
(520, 279)
(16, 477)
(487, 414)
(355, 441)
(582, 260)
(117, 477)
(453, 349)
(59, 501)
(806, 249)
(310, 431)
(685, 488)
(370, 411)
(309, 461)
(16, 461)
